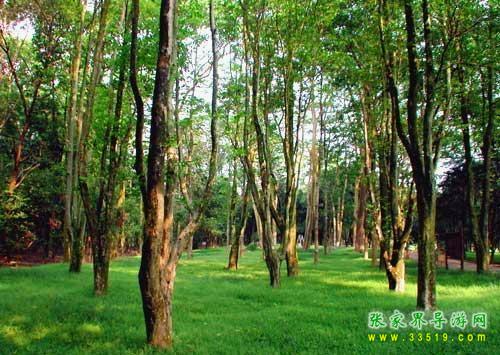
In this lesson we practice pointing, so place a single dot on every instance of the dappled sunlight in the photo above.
(327, 301)
(14, 335)
(90, 329)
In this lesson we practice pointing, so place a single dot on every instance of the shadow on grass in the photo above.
(324, 310)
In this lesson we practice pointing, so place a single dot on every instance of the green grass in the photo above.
(46, 310)
(471, 256)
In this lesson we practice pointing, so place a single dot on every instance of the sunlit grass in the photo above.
(46, 310)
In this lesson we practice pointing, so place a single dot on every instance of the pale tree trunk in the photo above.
(70, 147)
(292, 124)
(374, 224)
(333, 227)
(354, 226)
(274, 228)
(374, 240)
(340, 216)
(484, 220)
(327, 240)
(260, 197)
(77, 243)
(360, 238)
(258, 224)
(230, 226)
(313, 192)
(70, 233)
(238, 234)
(100, 250)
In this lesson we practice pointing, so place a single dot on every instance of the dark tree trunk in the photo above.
(426, 283)
(77, 248)
(101, 269)
(160, 251)
(155, 280)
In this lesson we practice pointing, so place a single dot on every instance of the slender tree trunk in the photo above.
(340, 216)
(313, 192)
(77, 243)
(374, 248)
(360, 237)
(260, 197)
(472, 217)
(237, 236)
(486, 151)
(326, 233)
(258, 224)
(354, 225)
(100, 252)
(71, 146)
(231, 207)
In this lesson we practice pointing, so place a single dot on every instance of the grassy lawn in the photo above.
(45, 310)
(471, 256)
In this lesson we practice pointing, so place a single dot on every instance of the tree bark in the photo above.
(160, 251)
(155, 279)
(472, 217)
(261, 198)
(486, 151)
(100, 250)
(230, 228)
(423, 156)
(238, 235)
(312, 218)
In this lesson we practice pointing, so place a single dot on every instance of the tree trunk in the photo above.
(472, 217)
(156, 278)
(190, 248)
(161, 252)
(100, 257)
(374, 248)
(231, 207)
(426, 281)
(258, 225)
(71, 147)
(260, 197)
(313, 192)
(359, 237)
(78, 244)
(98, 234)
(238, 235)
(486, 151)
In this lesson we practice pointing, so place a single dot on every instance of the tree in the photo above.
(423, 148)
(312, 219)
(160, 251)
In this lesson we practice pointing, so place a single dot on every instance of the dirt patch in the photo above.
(28, 260)
(455, 264)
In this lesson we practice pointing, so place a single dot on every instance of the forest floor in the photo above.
(46, 310)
